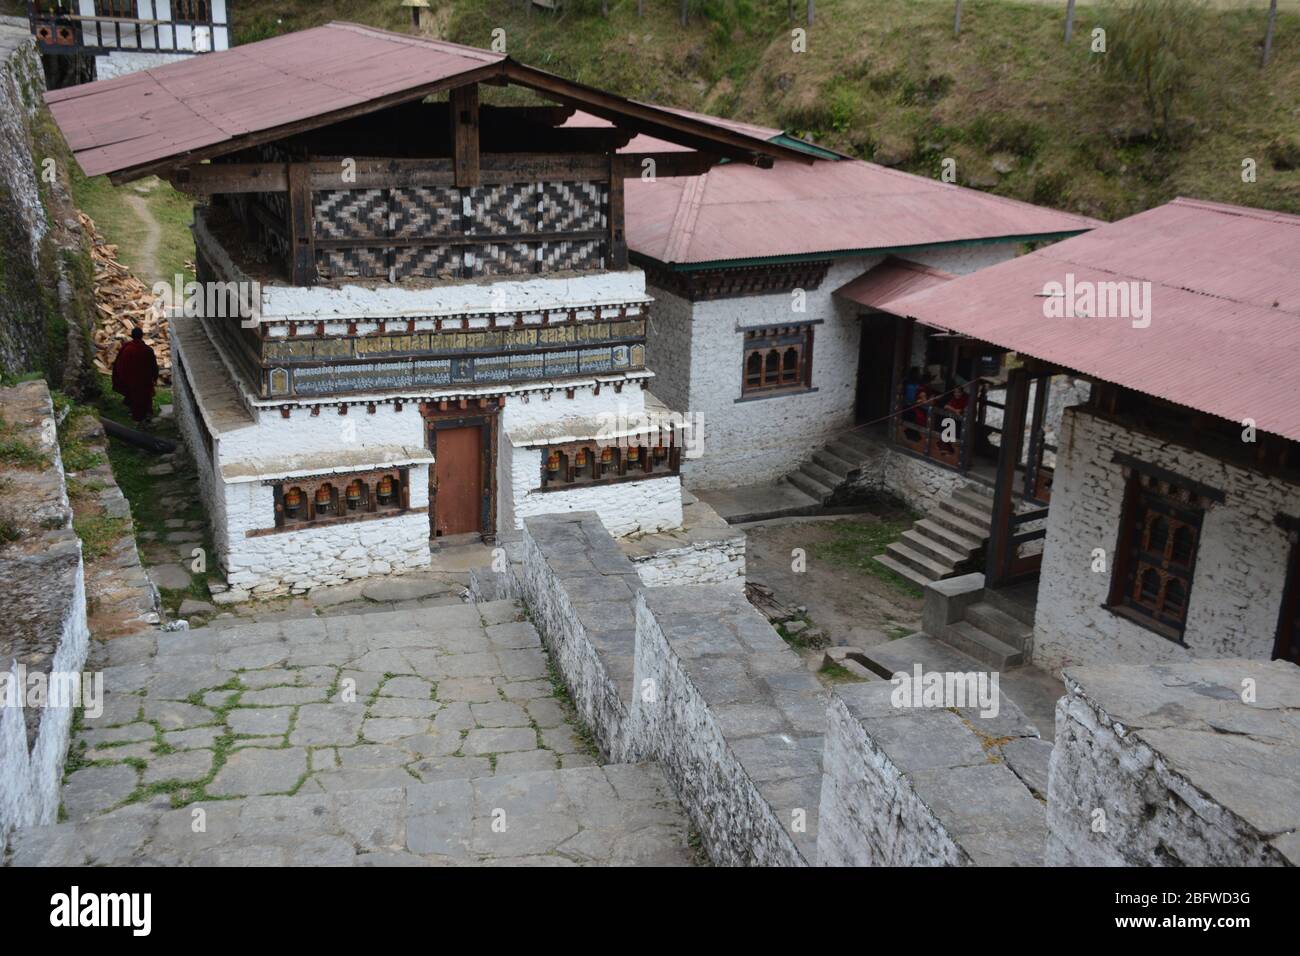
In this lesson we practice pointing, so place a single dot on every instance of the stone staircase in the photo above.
(948, 541)
(829, 469)
(963, 623)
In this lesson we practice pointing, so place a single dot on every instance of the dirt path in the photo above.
(849, 605)
(146, 256)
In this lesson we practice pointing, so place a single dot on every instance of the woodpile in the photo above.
(123, 302)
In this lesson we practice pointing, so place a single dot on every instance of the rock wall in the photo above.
(910, 786)
(43, 605)
(581, 590)
(1167, 765)
(1241, 560)
(692, 676)
(46, 278)
(919, 483)
(736, 720)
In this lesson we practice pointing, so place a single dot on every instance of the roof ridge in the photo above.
(1232, 209)
(415, 40)
(682, 231)
(1007, 200)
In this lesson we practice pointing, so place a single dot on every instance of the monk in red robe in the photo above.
(135, 370)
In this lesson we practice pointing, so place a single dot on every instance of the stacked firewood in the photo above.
(123, 302)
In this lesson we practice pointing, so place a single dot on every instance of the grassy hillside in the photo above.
(1021, 113)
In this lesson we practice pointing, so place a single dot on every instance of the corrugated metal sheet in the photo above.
(891, 279)
(792, 209)
(159, 113)
(209, 102)
(642, 143)
(1224, 333)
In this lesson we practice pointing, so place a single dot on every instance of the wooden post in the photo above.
(302, 227)
(464, 134)
(685, 11)
(617, 241)
(1013, 432)
(1069, 20)
(1268, 33)
(956, 30)
(1034, 459)
(810, 12)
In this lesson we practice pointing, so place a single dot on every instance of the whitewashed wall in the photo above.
(1240, 565)
(760, 440)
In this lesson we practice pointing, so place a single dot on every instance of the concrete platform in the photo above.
(758, 502)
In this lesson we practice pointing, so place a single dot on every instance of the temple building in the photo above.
(1172, 526)
(84, 40)
(767, 285)
(438, 330)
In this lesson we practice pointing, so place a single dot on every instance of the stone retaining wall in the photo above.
(692, 676)
(43, 605)
(1167, 765)
(581, 590)
(923, 786)
(735, 719)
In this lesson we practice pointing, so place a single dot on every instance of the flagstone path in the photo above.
(425, 735)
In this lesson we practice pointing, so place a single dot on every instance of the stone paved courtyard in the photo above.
(419, 735)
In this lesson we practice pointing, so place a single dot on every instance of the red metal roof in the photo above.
(737, 212)
(1224, 333)
(891, 279)
(213, 103)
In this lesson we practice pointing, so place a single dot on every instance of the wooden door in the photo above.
(1287, 647)
(458, 477)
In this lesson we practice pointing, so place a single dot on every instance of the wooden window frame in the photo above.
(369, 510)
(777, 342)
(1151, 495)
(596, 472)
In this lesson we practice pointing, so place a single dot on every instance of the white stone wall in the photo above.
(124, 62)
(706, 562)
(870, 815)
(760, 440)
(921, 484)
(296, 561)
(1240, 564)
(210, 485)
(668, 348)
(1168, 766)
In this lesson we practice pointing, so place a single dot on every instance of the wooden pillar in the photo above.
(1034, 460)
(1000, 555)
(464, 134)
(617, 241)
(302, 226)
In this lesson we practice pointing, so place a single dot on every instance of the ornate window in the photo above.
(777, 359)
(591, 463)
(1159, 535)
(302, 503)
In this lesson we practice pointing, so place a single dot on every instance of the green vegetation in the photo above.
(17, 451)
(98, 533)
(837, 674)
(858, 540)
(122, 215)
(1023, 114)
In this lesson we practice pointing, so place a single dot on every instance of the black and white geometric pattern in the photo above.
(571, 206)
(352, 214)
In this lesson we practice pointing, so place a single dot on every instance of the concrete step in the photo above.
(982, 490)
(953, 540)
(810, 486)
(981, 503)
(919, 561)
(830, 479)
(984, 647)
(935, 548)
(834, 463)
(999, 624)
(865, 446)
(1018, 601)
(975, 516)
(846, 452)
(961, 524)
(898, 567)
